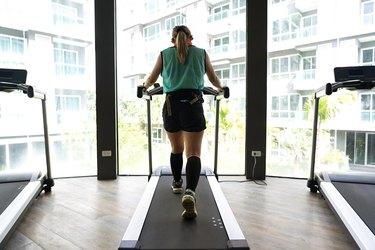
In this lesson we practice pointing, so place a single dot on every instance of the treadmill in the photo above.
(19, 189)
(157, 224)
(351, 195)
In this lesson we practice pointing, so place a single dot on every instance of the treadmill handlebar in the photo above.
(30, 91)
(158, 90)
(329, 88)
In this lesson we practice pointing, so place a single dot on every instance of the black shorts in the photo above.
(181, 115)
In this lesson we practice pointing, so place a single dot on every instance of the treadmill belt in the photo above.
(361, 197)
(164, 228)
(8, 192)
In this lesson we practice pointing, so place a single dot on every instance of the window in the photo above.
(157, 135)
(238, 7)
(223, 75)
(285, 67)
(170, 23)
(219, 13)
(64, 15)
(152, 32)
(368, 7)
(238, 39)
(220, 45)
(66, 62)
(368, 56)
(58, 50)
(360, 147)
(12, 51)
(309, 66)
(368, 107)
(238, 73)
(309, 27)
(152, 6)
(286, 106)
(286, 28)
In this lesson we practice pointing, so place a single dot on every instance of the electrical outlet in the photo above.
(256, 153)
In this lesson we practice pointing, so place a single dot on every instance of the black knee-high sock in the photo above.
(193, 171)
(176, 165)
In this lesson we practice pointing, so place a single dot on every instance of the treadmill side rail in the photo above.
(233, 229)
(356, 227)
(135, 226)
(13, 212)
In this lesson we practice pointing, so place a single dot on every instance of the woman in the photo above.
(182, 68)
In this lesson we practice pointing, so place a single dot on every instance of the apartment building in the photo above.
(54, 42)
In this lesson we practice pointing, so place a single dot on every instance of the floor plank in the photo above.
(83, 213)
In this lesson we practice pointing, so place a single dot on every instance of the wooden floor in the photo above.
(83, 213)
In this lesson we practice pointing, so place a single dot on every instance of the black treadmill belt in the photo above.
(8, 192)
(361, 197)
(164, 228)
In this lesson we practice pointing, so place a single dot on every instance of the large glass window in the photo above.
(140, 41)
(301, 60)
(57, 50)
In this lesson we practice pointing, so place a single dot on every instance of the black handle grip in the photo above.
(140, 91)
(226, 92)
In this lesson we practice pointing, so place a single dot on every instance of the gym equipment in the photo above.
(157, 224)
(19, 189)
(351, 195)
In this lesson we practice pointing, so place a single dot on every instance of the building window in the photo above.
(367, 9)
(152, 6)
(220, 45)
(286, 106)
(157, 135)
(309, 26)
(239, 39)
(285, 67)
(65, 15)
(66, 62)
(368, 56)
(68, 103)
(12, 51)
(170, 23)
(238, 7)
(368, 107)
(309, 66)
(223, 75)
(152, 32)
(238, 73)
(286, 28)
(360, 147)
(219, 13)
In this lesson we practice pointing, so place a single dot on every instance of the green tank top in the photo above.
(183, 76)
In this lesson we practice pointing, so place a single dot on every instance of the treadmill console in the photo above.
(361, 73)
(13, 76)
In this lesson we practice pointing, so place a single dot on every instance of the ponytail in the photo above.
(182, 48)
(181, 37)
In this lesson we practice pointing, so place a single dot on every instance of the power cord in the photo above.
(261, 183)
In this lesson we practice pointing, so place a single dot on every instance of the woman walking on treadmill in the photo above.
(182, 68)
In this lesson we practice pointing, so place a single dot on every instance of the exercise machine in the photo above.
(157, 224)
(351, 195)
(18, 189)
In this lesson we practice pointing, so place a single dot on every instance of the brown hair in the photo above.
(180, 34)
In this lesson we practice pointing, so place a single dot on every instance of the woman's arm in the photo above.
(211, 74)
(151, 79)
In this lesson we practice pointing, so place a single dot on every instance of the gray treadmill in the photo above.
(157, 224)
(351, 195)
(18, 189)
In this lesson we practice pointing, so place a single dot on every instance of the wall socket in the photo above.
(255, 153)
